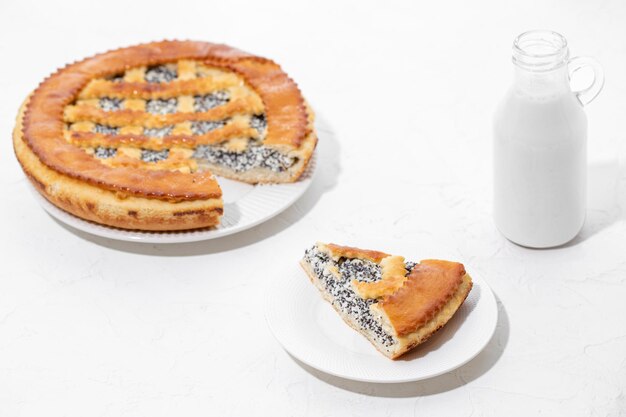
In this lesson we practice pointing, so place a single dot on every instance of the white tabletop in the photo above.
(404, 95)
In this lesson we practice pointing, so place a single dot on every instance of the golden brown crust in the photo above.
(429, 286)
(43, 122)
(133, 117)
(439, 320)
(217, 136)
(107, 207)
(338, 251)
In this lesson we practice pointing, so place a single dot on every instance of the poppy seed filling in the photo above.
(158, 132)
(252, 157)
(148, 155)
(105, 129)
(259, 122)
(161, 74)
(202, 127)
(104, 153)
(162, 106)
(340, 288)
(110, 104)
(209, 101)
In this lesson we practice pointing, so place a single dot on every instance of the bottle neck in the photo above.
(540, 59)
(538, 84)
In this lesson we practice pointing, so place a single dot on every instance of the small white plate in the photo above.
(309, 329)
(245, 206)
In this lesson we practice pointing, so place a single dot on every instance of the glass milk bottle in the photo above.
(540, 144)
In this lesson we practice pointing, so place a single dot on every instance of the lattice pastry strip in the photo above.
(187, 69)
(136, 104)
(132, 75)
(81, 112)
(82, 134)
(186, 104)
(108, 88)
(173, 159)
(183, 104)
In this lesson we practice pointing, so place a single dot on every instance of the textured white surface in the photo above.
(310, 329)
(404, 94)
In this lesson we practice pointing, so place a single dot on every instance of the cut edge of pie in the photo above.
(109, 207)
(100, 140)
(396, 305)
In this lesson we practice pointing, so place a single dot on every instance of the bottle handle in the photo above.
(588, 94)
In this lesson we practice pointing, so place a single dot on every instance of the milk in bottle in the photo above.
(540, 144)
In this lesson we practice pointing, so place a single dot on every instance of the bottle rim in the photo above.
(540, 50)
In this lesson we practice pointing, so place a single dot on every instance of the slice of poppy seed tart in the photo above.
(395, 304)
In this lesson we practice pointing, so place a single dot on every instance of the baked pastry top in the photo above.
(395, 304)
(156, 121)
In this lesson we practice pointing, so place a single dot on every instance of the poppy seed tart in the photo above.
(396, 305)
(132, 138)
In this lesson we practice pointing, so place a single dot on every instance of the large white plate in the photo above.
(245, 206)
(309, 329)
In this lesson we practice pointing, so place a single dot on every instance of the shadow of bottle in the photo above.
(606, 198)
